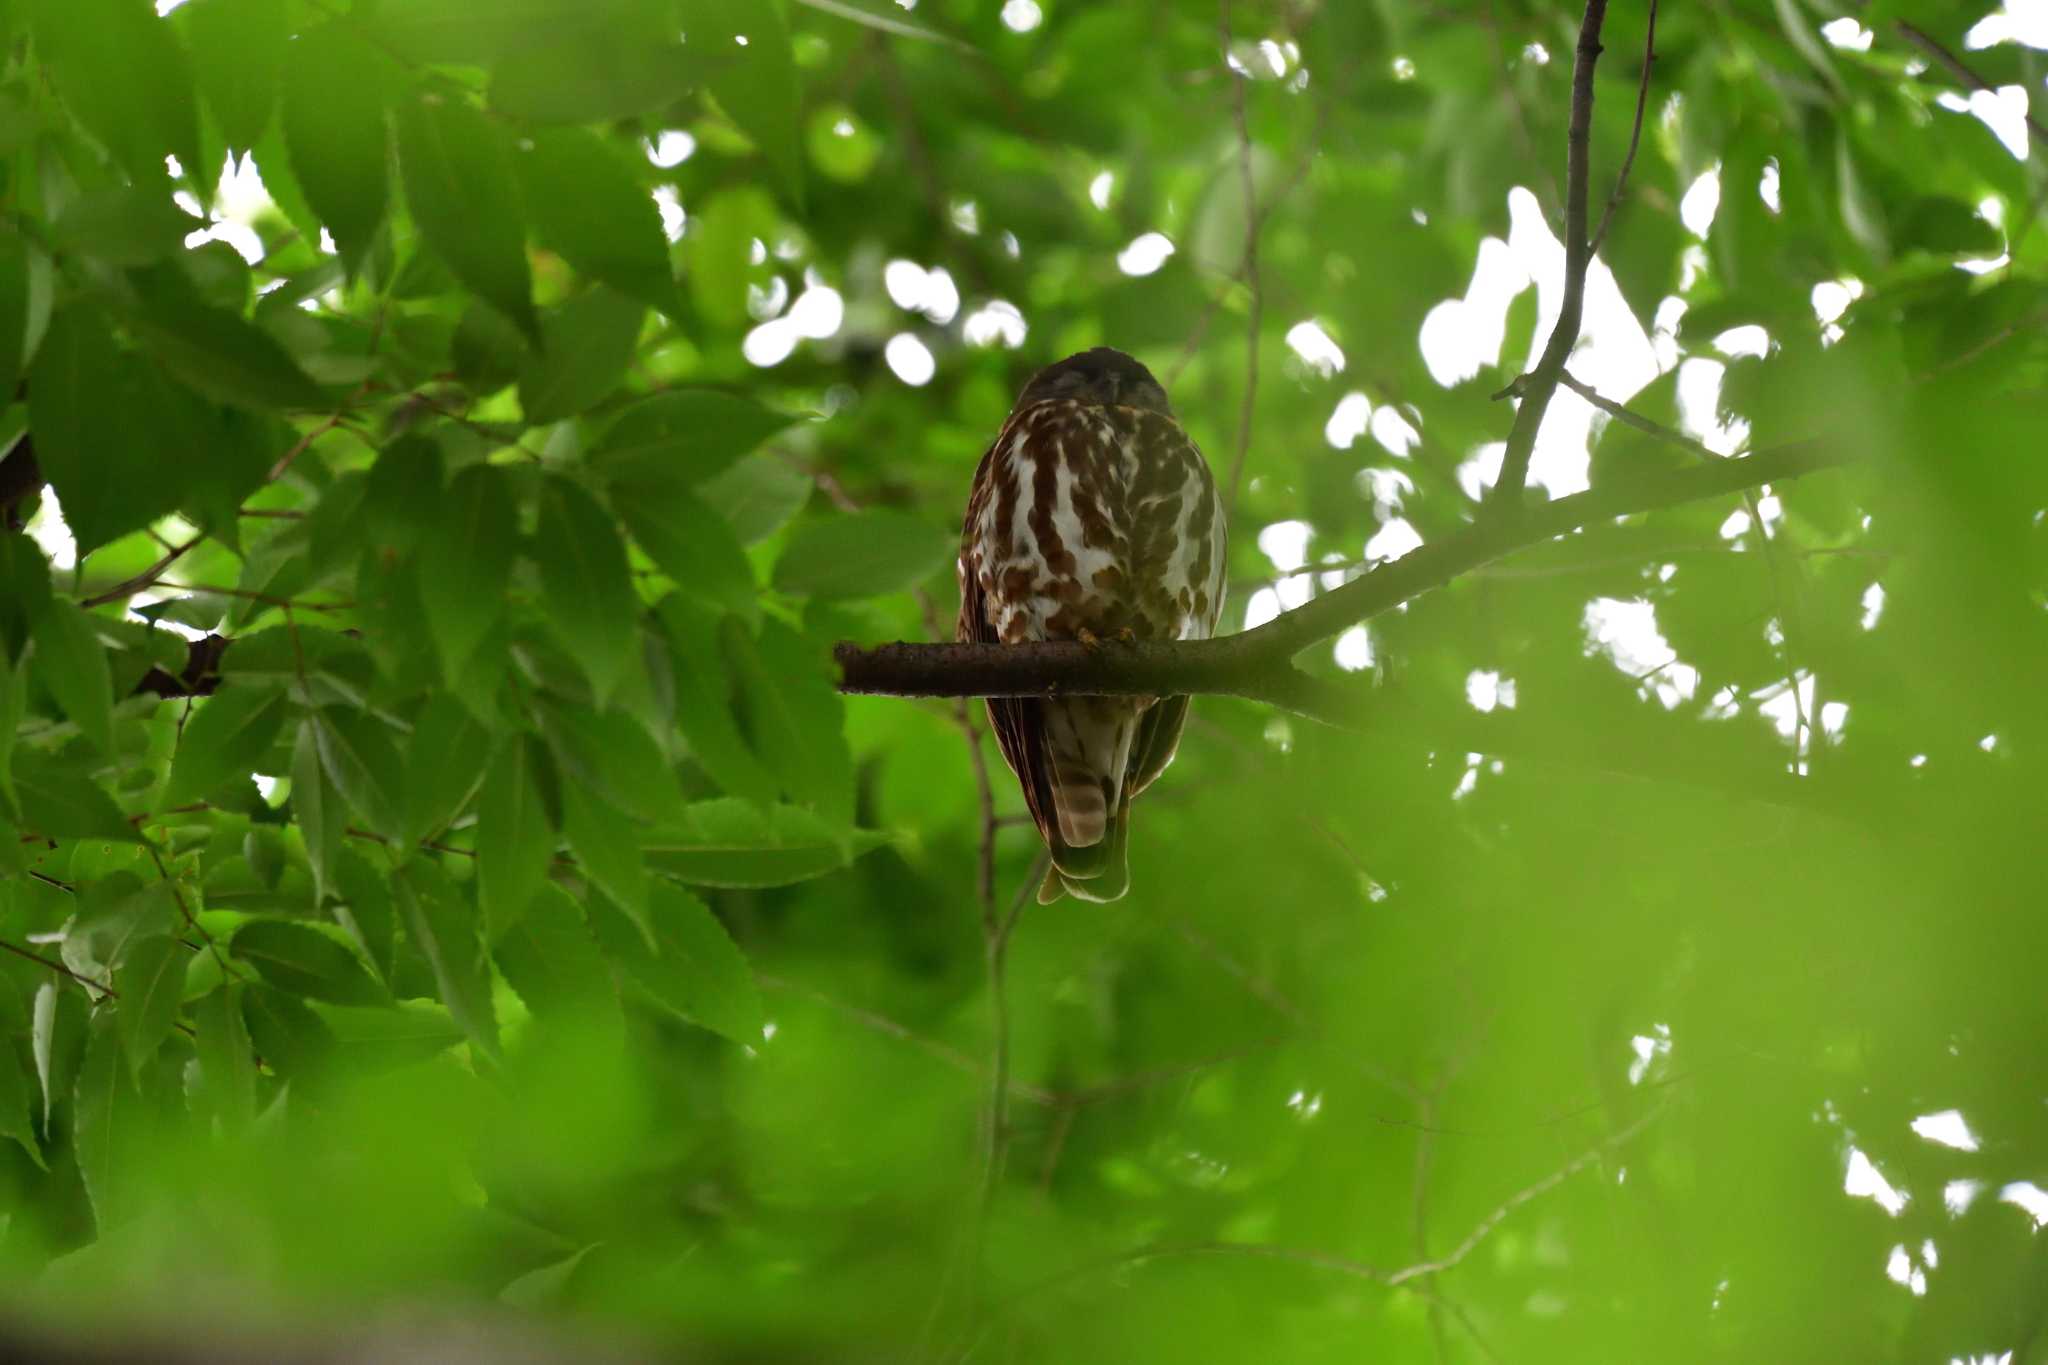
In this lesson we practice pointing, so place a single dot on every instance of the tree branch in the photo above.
(1541, 383)
(1257, 664)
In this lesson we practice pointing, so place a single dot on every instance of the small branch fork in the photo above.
(1258, 664)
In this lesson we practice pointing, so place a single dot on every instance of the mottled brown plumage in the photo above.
(1092, 516)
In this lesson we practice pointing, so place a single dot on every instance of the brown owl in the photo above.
(1092, 515)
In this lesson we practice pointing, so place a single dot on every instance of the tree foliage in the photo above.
(436, 860)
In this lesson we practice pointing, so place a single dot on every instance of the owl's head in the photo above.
(1104, 376)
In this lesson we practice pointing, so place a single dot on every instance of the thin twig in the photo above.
(1961, 70)
(1635, 135)
(105, 992)
(1629, 418)
(128, 587)
(1540, 384)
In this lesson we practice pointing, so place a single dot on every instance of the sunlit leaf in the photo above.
(862, 555)
(458, 180)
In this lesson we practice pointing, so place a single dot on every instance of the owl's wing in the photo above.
(1158, 738)
(1019, 722)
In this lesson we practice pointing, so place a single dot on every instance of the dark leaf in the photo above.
(458, 179)
(300, 959)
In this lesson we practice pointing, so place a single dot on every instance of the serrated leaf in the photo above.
(222, 742)
(735, 843)
(238, 49)
(71, 662)
(115, 913)
(444, 927)
(25, 291)
(692, 969)
(607, 852)
(366, 913)
(361, 760)
(444, 765)
(585, 584)
(457, 169)
(225, 357)
(517, 815)
(550, 958)
(122, 225)
(316, 809)
(125, 76)
(757, 496)
(57, 803)
(590, 208)
(864, 554)
(24, 592)
(380, 1039)
(612, 754)
(682, 437)
(465, 565)
(151, 982)
(93, 416)
(15, 1119)
(335, 92)
(291, 1039)
(299, 959)
(227, 1058)
(585, 347)
(703, 702)
(792, 714)
(692, 544)
(759, 90)
(110, 1127)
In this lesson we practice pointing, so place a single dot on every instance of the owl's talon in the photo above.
(1088, 638)
(1125, 635)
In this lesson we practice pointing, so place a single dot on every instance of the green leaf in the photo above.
(692, 544)
(123, 225)
(759, 89)
(865, 554)
(336, 89)
(25, 290)
(115, 913)
(884, 17)
(551, 960)
(227, 1058)
(15, 1120)
(465, 565)
(682, 437)
(221, 355)
(72, 663)
(366, 913)
(13, 705)
(238, 49)
(57, 803)
(382, 1039)
(317, 809)
(444, 765)
(299, 959)
(111, 1123)
(703, 701)
(591, 209)
(1947, 227)
(462, 32)
(723, 228)
(444, 928)
(517, 816)
(735, 843)
(585, 584)
(757, 496)
(692, 970)
(125, 75)
(458, 178)
(228, 734)
(358, 754)
(24, 592)
(607, 851)
(291, 1039)
(597, 78)
(57, 1041)
(151, 982)
(586, 345)
(792, 713)
(93, 418)
(612, 754)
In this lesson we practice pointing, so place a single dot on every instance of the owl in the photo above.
(1092, 516)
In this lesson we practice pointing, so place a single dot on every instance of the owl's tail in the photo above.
(1100, 873)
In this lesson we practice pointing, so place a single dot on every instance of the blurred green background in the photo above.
(511, 926)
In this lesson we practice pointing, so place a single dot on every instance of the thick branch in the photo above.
(1541, 382)
(1257, 664)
